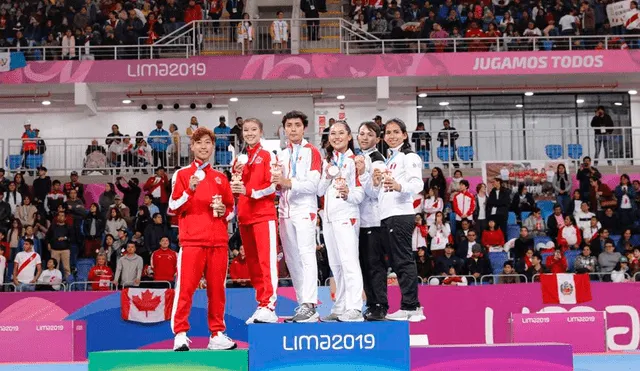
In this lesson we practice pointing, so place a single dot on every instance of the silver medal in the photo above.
(200, 174)
(333, 171)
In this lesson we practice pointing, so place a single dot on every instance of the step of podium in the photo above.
(166, 360)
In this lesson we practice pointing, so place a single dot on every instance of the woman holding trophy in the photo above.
(343, 193)
(397, 183)
(251, 183)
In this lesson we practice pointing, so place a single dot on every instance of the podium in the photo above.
(168, 360)
(380, 346)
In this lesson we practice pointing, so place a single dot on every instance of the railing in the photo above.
(496, 278)
(456, 45)
(148, 284)
(103, 52)
(88, 285)
(64, 155)
(471, 280)
(636, 277)
(7, 287)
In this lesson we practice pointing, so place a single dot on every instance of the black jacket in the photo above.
(605, 121)
(520, 247)
(596, 247)
(60, 231)
(443, 263)
(482, 266)
(152, 235)
(501, 204)
(131, 195)
(552, 226)
(238, 5)
(448, 134)
(5, 215)
(528, 205)
(611, 223)
(86, 225)
(440, 183)
(584, 176)
(41, 188)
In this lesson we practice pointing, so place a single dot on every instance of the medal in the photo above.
(333, 171)
(200, 174)
(242, 159)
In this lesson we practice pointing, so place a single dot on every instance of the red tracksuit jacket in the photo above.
(258, 204)
(198, 227)
(151, 185)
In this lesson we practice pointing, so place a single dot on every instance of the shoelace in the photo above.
(304, 310)
(224, 336)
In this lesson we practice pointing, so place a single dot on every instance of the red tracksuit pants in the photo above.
(260, 248)
(193, 263)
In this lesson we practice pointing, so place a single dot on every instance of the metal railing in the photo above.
(636, 277)
(456, 45)
(88, 285)
(104, 52)
(471, 280)
(7, 287)
(495, 278)
(64, 155)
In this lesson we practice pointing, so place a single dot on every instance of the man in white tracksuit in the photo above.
(301, 165)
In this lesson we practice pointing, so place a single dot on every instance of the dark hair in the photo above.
(113, 190)
(55, 262)
(464, 220)
(509, 263)
(131, 243)
(525, 228)
(279, 12)
(585, 158)
(296, 115)
(371, 126)
(565, 175)
(29, 241)
(440, 173)
(55, 182)
(556, 206)
(446, 120)
(252, 119)
(521, 187)
(456, 172)
(155, 215)
(465, 183)
(600, 108)
(422, 220)
(478, 186)
(537, 255)
(406, 146)
(118, 213)
(420, 123)
(499, 180)
(535, 210)
(350, 146)
(601, 231)
(626, 176)
(572, 219)
(609, 241)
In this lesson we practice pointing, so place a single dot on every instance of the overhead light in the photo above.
(144, 107)
(633, 92)
(579, 101)
(444, 103)
(127, 101)
(209, 105)
(233, 99)
(176, 106)
(340, 97)
(192, 106)
(519, 105)
(160, 106)
(528, 93)
(618, 103)
(46, 102)
(418, 107)
(277, 112)
(422, 95)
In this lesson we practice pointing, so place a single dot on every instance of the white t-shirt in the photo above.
(566, 22)
(3, 264)
(50, 278)
(28, 273)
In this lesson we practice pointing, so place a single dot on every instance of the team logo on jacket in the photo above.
(259, 160)
(566, 288)
(218, 180)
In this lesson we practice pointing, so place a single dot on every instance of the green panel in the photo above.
(162, 360)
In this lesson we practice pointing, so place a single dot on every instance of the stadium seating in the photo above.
(465, 153)
(571, 256)
(553, 151)
(513, 231)
(574, 151)
(497, 260)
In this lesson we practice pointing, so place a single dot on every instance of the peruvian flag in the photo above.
(565, 288)
(146, 305)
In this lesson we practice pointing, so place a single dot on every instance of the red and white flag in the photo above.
(146, 305)
(565, 288)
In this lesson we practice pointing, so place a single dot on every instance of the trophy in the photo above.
(276, 167)
(236, 176)
(338, 181)
(216, 201)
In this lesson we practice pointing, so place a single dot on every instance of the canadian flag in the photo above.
(565, 288)
(146, 305)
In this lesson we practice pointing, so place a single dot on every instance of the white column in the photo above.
(382, 93)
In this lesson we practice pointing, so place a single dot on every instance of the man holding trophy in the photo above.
(297, 178)
(251, 183)
(201, 198)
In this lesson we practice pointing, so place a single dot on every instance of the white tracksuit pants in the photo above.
(341, 239)
(298, 237)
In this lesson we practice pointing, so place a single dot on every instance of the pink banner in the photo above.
(326, 66)
(47, 341)
(586, 332)
(481, 314)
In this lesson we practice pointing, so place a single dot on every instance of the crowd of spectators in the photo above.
(515, 22)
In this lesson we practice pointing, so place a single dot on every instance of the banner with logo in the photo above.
(617, 12)
(12, 61)
(46, 341)
(330, 346)
(586, 332)
(537, 176)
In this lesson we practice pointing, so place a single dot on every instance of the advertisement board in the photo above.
(33, 341)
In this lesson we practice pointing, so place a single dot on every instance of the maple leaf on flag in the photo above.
(146, 302)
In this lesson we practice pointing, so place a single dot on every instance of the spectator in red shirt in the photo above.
(239, 270)
(101, 275)
(159, 186)
(492, 236)
(164, 262)
(193, 12)
(557, 263)
(474, 32)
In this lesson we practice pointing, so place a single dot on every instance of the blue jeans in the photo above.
(26, 287)
(564, 201)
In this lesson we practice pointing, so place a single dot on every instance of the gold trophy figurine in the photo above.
(216, 201)
(236, 176)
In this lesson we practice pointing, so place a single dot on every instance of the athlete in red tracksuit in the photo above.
(257, 220)
(203, 241)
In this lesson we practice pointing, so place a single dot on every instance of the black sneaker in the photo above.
(375, 314)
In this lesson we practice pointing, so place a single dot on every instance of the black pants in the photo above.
(159, 158)
(374, 267)
(396, 233)
(313, 28)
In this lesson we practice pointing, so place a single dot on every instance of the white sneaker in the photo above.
(400, 315)
(253, 317)
(181, 342)
(352, 315)
(221, 342)
(417, 315)
(265, 315)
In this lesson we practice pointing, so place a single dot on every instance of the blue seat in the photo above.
(34, 161)
(463, 19)
(513, 231)
(445, 154)
(540, 239)
(524, 215)
(512, 218)
(547, 45)
(497, 260)
(452, 223)
(424, 155)
(14, 162)
(553, 151)
(546, 214)
(635, 240)
(223, 157)
(545, 256)
(83, 267)
(499, 19)
(37, 55)
(465, 153)
(574, 151)
(615, 238)
(545, 205)
(571, 256)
